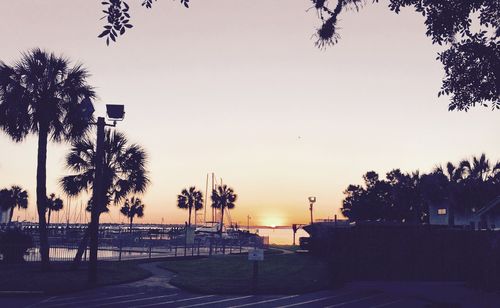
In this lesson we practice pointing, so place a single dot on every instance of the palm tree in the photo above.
(124, 171)
(478, 182)
(12, 198)
(223, 198)
(189, 199)
(53, 204)
(41, 95)
(132, 207)
(479, 169)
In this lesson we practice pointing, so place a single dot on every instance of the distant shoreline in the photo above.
(242, 227)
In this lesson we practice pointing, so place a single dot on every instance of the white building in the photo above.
(487, 217)
(4, 216)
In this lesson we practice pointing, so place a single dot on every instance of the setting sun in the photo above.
(272, 221)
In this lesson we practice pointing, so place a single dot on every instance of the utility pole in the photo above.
(96, 201)
(248, 222)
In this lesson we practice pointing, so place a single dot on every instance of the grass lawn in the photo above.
(278, 274)
(61, 279)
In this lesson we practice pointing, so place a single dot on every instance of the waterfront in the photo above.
(279, 235)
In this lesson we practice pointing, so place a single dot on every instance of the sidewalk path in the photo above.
(160, 277)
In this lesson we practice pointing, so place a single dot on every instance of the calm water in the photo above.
(280, 236)
(67, 254)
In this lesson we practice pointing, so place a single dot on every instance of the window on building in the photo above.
(441, 211)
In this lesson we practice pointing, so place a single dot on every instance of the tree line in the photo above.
(465, 187)
(223, 197)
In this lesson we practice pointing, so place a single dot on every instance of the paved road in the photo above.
(123, 297)
(155, 292)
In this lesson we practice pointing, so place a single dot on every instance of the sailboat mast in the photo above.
(205, 205)
(213, 187)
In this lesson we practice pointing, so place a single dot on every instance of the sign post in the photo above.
(255, 256)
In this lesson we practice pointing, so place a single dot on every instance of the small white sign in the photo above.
(256, 255)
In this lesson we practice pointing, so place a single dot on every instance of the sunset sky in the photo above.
(238, 88)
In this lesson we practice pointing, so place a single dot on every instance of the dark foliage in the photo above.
(124, 168)
(117, 15)
(190, 199)
(12, 198)
(472, 60)
(402, 197)
(223, 197)
(42, 94)
(53, 205)
(131, 208)
(13, 245)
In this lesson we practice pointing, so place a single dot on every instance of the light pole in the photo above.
(311, 203)
(295, 227)
(114, 113)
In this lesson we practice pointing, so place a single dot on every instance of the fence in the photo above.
(141, 245)
(409, 252)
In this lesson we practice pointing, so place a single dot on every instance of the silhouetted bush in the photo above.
(13, 245)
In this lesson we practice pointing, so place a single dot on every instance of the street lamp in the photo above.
(114, 113)
(311, 203)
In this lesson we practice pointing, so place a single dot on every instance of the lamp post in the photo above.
(114, 113)
(295, 227)
(311, 203)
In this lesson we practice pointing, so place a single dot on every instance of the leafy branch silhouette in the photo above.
(472, 60)
(117, 15)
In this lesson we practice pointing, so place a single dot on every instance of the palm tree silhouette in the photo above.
(223, 197)
(479, 169)
(124, 172)
(124, 169)
(41, 95)
(479, 177)
(132, 207)
(53, 204)
(12, 198)
(189, 199)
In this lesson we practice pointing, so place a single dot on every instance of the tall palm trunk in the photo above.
(11, 214)
(48, 217)
(41, 194)
(81, 249)
(131, 220)
(221, 219)
(189, 220)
